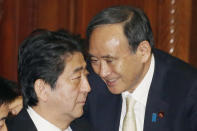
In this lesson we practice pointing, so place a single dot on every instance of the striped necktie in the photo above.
(129, 123)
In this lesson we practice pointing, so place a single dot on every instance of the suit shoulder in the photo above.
(175, 65)
(178, 77)
(21, 122)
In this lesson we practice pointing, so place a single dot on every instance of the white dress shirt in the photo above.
(140, 94)
(42, 124)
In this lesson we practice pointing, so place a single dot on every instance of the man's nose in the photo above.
(104, 69)
(85, 85)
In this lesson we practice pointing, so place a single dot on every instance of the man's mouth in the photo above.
(111, 82)
(81, 102)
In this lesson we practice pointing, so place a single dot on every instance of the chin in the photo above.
(79, 113)
(115, 90)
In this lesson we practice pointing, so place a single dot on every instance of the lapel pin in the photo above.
(161, 114)
(154, 117)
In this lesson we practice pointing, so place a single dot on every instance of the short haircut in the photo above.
(136, 25)
(42, 56)
(9, 91)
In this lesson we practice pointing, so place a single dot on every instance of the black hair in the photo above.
(42, 56)
(135, 23)
(9, 91)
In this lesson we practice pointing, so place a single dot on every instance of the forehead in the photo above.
(3, 110)
(108, 39)
(74, 61)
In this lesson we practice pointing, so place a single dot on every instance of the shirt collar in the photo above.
(41, 123)
(140, 94)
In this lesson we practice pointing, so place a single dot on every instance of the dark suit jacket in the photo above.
(173, 92)
(23, 122)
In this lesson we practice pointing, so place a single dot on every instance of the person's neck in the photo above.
(53, 117)
(144, 72)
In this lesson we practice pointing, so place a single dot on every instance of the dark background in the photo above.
(173, 22)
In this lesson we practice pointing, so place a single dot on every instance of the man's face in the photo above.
(3, 115)
(112, 59)
(71, 89)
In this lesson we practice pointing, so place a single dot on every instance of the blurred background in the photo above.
(173, 23)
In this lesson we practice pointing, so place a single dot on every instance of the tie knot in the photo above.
(130, 102)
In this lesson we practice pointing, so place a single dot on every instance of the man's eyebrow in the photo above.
(107, 56)
(78, 69)
(90, 55)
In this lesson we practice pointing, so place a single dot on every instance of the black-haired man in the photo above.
(154, 91)
(10, 100)
(52, 74)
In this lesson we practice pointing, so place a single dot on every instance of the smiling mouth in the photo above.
(82, 102)
(111, 82)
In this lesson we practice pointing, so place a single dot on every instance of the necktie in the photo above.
(129, 123)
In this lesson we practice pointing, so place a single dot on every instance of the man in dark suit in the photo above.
(52, 73)
(146, 89)
(10, 96)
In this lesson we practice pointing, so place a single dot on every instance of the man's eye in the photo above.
(76, 78)
(108, 61)
(3, 118)
(93, 61)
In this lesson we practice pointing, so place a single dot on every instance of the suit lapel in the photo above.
(156, 105)
(109, 115)
(80, 124)
(26, 121)
(22, 122)
(118, 112)
(103, 108)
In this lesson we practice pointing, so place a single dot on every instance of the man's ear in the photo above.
(41, 88)
(144, 51)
